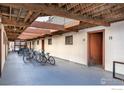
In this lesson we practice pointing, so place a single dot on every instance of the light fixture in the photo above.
(110, 37)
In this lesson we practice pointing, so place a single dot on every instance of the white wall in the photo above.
(28, 44)
(114, 49)
(37, 47)
(74, 52)
(11, 46)
(4, 45)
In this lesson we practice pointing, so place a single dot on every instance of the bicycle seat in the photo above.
(47, 53)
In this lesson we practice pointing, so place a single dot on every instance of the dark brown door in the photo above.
(42, 45)
(95, 48)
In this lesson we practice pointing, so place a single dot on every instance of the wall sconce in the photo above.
(110, 37)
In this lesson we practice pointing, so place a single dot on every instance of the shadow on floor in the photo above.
(16, 72)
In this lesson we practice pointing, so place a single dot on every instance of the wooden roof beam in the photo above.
(13, 22)
(56, 11)
(75, 23)
(18, 16)
(61, 4)
(34, 17)
(46, 25)
(26, 37)
(30, 34)
(69, 7)
(90, 9)
(10, 13)
(63, 13)
(13, 33)
(28, 16)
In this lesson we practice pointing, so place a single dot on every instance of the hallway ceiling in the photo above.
(17, 17)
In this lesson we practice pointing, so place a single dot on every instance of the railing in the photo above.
(114, 65)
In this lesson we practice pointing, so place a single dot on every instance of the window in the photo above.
(50, 41)
(37, 42)
(69, 40)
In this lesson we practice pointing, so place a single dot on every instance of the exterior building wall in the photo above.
(11, 46)
(78, 51)
(34, 46)
(28, 44)
(114, 48)
(37, 46)
(4, 46)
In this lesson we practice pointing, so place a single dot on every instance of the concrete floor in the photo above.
(16, 72)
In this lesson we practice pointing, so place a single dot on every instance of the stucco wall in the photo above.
(36, 46)
(11, 46)
(114, 49)
(4, 45)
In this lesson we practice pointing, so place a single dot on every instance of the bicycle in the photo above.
(38, 57)
(41, 58)
(50, 59)
(28, 56)
(47, 58)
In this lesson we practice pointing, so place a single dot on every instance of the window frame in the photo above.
(37, 42)
(69, 40)
(50, 41)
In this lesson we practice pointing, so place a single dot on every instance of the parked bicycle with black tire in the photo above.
(40, 57)
(28, 56)
(50, 59)
(46, 58)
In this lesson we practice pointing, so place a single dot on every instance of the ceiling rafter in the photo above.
(13, 22)
(70, 6)
(61, 4)
(30, 34)
(10, 13)
(34, 17)
(18, 16)
(56, 11)
(106, 9)
(89, 15)
(90, 9)
(46, 25)
(28, 16)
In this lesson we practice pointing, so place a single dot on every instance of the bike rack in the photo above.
(114, 65)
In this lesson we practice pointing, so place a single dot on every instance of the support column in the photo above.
(0, 48)
(0, 54)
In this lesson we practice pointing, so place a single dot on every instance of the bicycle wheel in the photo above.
(38, 58)
(51, 60)
(26, 59)
(43, 59)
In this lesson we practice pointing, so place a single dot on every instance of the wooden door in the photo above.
(42, 45)
(95, 48)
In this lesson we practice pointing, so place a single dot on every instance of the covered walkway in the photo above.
(88, 34)
(16, 72)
